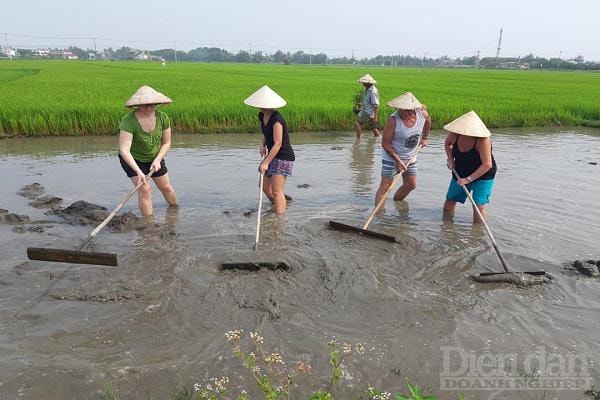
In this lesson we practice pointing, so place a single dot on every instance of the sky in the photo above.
(456, 28)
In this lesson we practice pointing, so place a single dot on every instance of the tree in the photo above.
(242, 57)
(80, 53)
(125, 53)
(279, 57)
(320, 58)
(259, 57)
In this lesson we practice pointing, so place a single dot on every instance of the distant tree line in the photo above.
(214, 54)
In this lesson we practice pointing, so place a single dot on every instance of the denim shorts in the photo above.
(390, 168)
(481, 190)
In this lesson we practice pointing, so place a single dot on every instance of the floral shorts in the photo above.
(280, 167)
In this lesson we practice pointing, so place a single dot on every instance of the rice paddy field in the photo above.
(86, 98)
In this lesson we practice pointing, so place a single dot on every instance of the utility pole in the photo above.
(424, 57)
(499, 44)
(477, 60)
(95, 51)
(559, 59)
(175, 50)
(250, 51)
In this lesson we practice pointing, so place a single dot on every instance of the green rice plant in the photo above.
(63, 97)
(357, 102)
(109, 393)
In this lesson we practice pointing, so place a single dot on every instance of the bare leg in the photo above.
(164, 185)
(409, 183)
(386, 182)
(268, 189)
(476, 219)
(357, 129)
(449, 208)
(375, 132)
(277, 185)
(144, 197)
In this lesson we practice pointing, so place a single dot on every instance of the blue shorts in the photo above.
(390, 168)
(481, 191)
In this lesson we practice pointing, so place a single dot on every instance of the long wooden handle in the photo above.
(114, 212)
(487, 228)
(387, 192)
(260, 201)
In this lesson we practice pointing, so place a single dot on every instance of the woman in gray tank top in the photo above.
(404, 129)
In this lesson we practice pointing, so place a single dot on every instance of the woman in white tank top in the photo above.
(403, 130)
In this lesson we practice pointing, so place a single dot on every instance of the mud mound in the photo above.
(32, 191)
(587, 268)
(13, 219)
(32, 228)
(46, 202)
(126, 222)
(82, 213)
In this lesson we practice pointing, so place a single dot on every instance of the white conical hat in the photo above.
(468, 124)
(147, 95)
(406, 101)
(366, 79)
(265, 97)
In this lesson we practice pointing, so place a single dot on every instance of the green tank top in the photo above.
(145, 145)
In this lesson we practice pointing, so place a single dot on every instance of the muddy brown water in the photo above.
(157, 322)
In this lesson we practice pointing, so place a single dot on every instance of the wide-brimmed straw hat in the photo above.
(468, 124)
(366, 79)
(265, 97)
(147, 95)
(406, 101)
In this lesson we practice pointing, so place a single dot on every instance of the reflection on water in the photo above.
(362, 163)
(157, 321)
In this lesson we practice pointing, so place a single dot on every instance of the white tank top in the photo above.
(405, 139)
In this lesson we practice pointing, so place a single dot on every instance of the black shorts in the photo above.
(144, 166)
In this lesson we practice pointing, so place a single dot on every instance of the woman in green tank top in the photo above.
(144, 140)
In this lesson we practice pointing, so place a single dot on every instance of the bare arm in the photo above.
(484, 147)
(448, 143)
(386, 142)
(262, 149)
(125, 140)
(277, 141)
(426, 127)
(165, 145)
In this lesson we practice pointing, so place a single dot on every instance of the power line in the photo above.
(255, 47)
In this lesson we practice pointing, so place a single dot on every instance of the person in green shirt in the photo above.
(144, 139)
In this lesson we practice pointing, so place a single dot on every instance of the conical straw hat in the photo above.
(468, 124)
(366, 79)
(406, 101)
(265, 97)
(147, 95)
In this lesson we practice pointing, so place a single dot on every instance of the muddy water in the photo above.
(157, 321)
